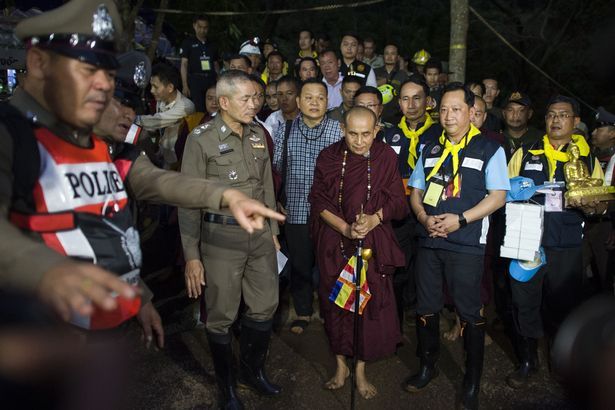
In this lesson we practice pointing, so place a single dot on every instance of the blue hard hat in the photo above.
(523, 271)
(521, 189)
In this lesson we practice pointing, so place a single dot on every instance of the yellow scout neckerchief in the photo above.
(449, 148)
(413, 136)
(553, 155)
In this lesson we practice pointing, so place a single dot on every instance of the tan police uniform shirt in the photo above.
(215, 152)
(24, 258)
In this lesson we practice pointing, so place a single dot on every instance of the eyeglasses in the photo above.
(560, 116)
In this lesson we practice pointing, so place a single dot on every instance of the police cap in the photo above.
(80, 29)
(132, 77)
(519, 97)
(604, 118)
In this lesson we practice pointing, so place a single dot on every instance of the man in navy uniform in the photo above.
(415, 129)
(560, 279)
(458, 181)
(199, 63)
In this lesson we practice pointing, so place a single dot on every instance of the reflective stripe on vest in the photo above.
(80, 210)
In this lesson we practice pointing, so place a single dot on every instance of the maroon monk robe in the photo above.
(379, 325)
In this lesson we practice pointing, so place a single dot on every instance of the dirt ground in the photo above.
(181, 375)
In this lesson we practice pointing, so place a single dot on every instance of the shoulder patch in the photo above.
(200, 128)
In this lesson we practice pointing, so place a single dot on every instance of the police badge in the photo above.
(102, 23)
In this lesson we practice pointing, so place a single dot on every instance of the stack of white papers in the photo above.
(524, 227)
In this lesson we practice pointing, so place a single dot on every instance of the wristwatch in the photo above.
(462, 221)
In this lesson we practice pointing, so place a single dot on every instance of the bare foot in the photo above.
(454, 332)
(300, 328)
(338, 380)
(366, 389)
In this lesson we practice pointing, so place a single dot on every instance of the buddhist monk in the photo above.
(357, 192)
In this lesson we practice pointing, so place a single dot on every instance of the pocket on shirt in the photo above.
(231, 168)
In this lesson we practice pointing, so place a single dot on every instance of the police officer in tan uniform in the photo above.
(230, 262)
(71, 63)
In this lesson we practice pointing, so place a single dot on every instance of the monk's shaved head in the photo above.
(360, 127)
(357, 112)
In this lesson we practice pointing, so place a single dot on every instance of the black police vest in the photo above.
(357, 69)
(561, 229)
(475, 156)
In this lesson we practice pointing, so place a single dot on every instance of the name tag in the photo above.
(473, 163)
(430, 162)
(554, 201)
(205, 63)
(433, 194)
(533, 167)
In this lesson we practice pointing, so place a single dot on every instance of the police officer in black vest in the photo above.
(561, 279)
(459, 180)
(351, 65)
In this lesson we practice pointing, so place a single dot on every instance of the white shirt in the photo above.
(274, 121)
(334, 92)
(167, 120)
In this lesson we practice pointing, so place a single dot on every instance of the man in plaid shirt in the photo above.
(295, 158)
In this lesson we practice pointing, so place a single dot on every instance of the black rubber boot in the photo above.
(474, 342)
(254, 346)
(528, 363)
(222, 355)
(428, 334)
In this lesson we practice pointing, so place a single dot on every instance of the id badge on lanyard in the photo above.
(433, 194)
(205, 63)
(436, 188)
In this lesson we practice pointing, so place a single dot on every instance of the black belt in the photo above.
(220, 219)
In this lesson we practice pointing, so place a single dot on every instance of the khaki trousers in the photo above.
(238, 264)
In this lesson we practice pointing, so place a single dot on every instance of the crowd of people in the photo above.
(355, 150)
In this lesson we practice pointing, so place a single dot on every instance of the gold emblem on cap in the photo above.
(515, 96)
(102, 23)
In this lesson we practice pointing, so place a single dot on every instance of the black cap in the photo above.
(519, 97)
(132, 77)
(604, 118)
(81, 29)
